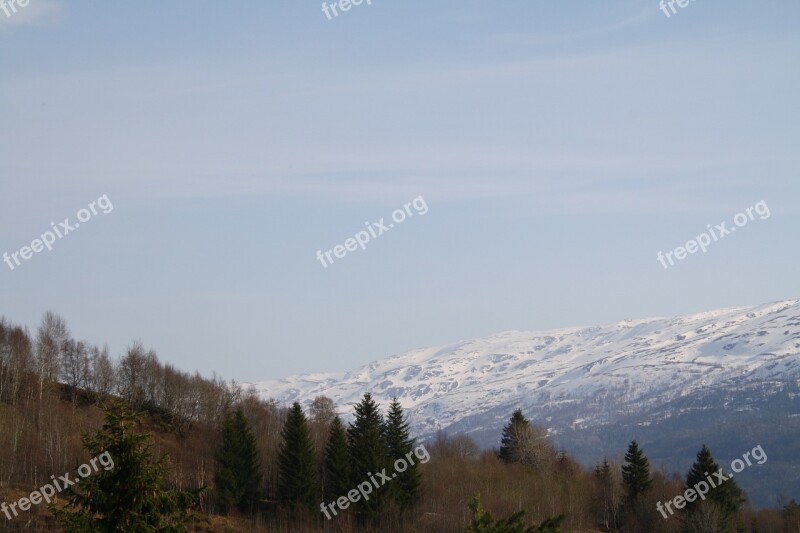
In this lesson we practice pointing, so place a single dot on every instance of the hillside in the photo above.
(707, 373)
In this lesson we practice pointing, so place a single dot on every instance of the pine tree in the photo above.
(522, 442)
(128, 496)
(337, 463)
(368, 456)
(635, 474)
(510, 441)
(406, 488)
(727, 495)
(297, 465)
(238, 474)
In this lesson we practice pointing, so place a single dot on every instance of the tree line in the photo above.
(308, 479)
(218, 457)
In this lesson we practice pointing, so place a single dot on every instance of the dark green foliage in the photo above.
(337, 463)
(297, 465)
(406, 489)
(238, 474)
(635, 474)
(727, 495)
(482, 521)
(512, 439)
(551, 525)
(368, 455)
(130, 495)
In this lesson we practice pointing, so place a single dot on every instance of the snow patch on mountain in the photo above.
(572, 377)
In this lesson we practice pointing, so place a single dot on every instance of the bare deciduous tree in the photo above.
(50, 339)
(532, 446)
(75, 366)
(707, 517)
(102, 375)
(130, 375)
(16, 361)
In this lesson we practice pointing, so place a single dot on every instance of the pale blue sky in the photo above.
(558, 145)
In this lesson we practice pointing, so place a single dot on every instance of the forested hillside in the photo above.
(246, 464)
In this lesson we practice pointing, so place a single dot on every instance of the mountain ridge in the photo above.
(671, 383)
(563, 363)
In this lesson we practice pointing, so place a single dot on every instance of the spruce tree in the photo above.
(368, 455)
(635, 474)
(512, 439)
(297, 465)
(127, 494)
(406, 487)
(238, 474)
(337, 463)
(727, 494)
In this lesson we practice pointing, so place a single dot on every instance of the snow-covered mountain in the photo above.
(585, 384)
(594, 373)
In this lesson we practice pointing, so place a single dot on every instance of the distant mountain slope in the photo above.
(596, 387)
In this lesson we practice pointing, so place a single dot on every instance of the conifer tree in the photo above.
(511, 443)
(368, 455)
(406, 488)
(522, 442)
(297, 465)
(727, 494)
(238, 474)
(337, 463)
(635, 474)
(127, 494)
(525, 443)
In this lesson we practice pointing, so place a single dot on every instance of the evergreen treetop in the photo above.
(128, 496)
(297, 464)
(511, 440)
(407, 487)
(368, 453)
(726, 494)
(635, 473)
(237, 477)
(337, 462)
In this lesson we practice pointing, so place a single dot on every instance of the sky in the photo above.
(557, 148)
